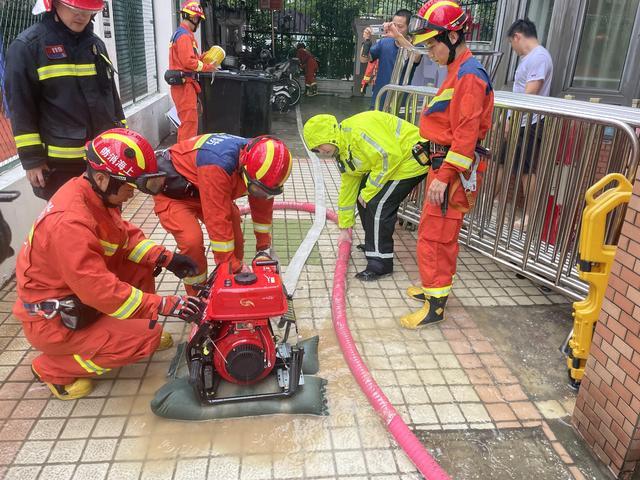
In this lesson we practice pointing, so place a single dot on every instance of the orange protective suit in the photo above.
(211, 163)
(183, 55)
(309, 65)
(79, 246)
(458, 117)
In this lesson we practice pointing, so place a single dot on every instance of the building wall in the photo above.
(608, 405)
(146, 116)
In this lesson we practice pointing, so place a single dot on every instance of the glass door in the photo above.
(605, 62)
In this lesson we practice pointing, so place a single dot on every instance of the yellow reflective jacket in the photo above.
(379, 144)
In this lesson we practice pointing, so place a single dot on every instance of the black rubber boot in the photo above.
(431, 313)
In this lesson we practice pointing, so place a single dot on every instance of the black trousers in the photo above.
(379, 221)
(58, 175)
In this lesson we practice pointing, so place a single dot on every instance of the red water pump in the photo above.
(235, 341)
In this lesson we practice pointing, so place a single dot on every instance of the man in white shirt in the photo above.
(533, 76)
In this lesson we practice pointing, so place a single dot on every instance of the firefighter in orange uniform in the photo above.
(86, 292)
(205, 174)
(184, 56)
(454, 122)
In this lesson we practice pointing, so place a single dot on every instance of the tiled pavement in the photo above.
(448, 378)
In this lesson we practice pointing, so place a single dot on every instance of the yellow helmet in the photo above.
(214, 55)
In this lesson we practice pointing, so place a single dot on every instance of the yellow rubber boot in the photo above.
(432, 312)
(80, 388)
(166, 341)
(416, 293)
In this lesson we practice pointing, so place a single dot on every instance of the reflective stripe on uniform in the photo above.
(262, 227)
(458, 160)
(346, 209)
(109, 248)
(66, 70)
(398, 127)
(140, 250)
(30, 236)
(90, 366)
(27, 140)
(129, 306)
(441, 102)
(377, 182)
(65, 152)
(376, 223)
(437, 292)
(195, 279)
(202, 140)
(217, 246)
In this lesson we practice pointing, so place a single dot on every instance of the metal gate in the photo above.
(326, 26)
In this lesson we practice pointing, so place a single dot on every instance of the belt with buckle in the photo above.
(46, 308)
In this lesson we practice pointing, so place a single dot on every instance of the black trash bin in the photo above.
(238, 103)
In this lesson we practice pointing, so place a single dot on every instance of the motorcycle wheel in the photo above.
(295, 91)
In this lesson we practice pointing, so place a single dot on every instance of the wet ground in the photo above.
(485, 390)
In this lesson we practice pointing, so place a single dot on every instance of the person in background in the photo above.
(309, 66)
(85, 285)
(386, 50)
(370, 68)
(533, 77)
(184, 56)
(61, 91)
(373, 153)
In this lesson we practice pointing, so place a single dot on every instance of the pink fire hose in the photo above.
(414, 449)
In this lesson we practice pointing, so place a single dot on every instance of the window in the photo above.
(539, 12)
(604, 43)
(135, 47)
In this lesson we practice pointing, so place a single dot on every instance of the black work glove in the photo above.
(182, 266)
(185, 307)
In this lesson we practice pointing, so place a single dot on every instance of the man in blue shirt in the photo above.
(385, 51)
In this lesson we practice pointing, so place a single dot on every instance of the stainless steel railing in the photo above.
(530, 222)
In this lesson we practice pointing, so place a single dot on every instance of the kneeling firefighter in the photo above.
(86, 292)
(454, 122)
(205, 174)
(378, 171)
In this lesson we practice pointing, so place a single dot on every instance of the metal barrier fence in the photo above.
(401, 75)
(15, 16)
(529, 221)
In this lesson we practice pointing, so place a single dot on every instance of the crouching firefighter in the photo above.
(205, 175)
(457, 118)
(86, 291)
(373, 152)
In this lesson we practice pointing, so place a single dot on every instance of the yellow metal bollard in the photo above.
(595, 265)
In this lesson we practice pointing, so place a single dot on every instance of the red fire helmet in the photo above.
(126, 156)
(434, 17)
(266, 164)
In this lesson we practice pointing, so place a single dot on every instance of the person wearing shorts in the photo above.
(533, 76)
